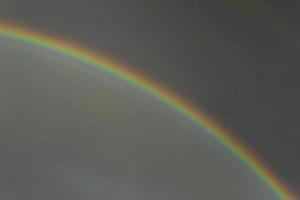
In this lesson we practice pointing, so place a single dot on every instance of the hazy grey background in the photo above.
(237, 59)
(68, 135)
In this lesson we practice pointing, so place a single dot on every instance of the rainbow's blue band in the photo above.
(14, 32)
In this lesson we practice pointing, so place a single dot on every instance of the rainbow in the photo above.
(71, 50)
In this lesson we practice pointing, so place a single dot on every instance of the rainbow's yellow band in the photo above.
(21, 34)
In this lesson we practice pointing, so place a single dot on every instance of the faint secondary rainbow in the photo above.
(25, 35)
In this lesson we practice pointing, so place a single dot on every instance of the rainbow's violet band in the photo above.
(25, 35)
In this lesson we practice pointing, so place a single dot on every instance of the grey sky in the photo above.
(66, 135)
(237, 60)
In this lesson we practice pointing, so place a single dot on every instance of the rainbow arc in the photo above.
(97, 61)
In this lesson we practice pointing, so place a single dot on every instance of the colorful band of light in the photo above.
(59, 46)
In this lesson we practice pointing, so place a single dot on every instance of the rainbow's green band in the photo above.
(64, 48)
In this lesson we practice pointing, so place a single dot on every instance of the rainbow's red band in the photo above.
(14, 32)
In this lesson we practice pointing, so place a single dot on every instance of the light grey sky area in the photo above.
(66, 135)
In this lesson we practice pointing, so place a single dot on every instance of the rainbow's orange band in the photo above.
(14, 32)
